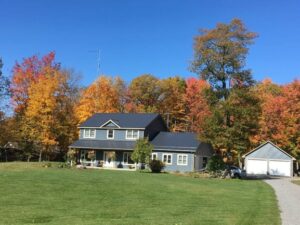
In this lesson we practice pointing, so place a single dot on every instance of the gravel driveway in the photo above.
(288, 195)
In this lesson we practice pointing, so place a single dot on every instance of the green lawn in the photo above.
(34, 195)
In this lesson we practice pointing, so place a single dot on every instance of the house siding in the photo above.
(268, 151)
(101, 134)
(155, 127)
(174, 167)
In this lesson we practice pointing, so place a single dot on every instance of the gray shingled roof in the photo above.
(103, 144)
(169, 141)
(124, 120)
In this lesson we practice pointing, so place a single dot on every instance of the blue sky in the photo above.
(146, 36)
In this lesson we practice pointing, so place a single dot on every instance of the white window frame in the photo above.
(156, 155)
(132, 138)
(113, 134)
(163, 158)
(88, 134)
(127, 153)
(182, 163)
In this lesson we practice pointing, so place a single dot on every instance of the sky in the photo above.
(146, 36)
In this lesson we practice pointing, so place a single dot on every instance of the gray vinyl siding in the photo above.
(268, 151)
(174, 167)
(155, 127)
(101, 134)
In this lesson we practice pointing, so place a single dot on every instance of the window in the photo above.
(154, 156)
(110, 134)
(89, 133)
(127, 158)
(167, 159)
(132, 134)
(182, 159)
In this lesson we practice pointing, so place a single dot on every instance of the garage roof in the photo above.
(268, 150)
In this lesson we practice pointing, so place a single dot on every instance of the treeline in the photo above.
(224, 105)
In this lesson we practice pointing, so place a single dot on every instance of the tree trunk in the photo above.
(240, 160)
(40, 156)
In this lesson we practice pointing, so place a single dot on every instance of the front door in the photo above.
(109, 159)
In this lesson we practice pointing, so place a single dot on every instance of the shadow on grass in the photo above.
(260, 177)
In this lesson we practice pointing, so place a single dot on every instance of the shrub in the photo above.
(47, 164)
(215, 163)
(156, 166)
(142, 151)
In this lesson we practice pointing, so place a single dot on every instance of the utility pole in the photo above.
(97, 51)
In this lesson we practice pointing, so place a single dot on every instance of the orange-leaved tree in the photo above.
(43, 97)
(102, 96)
(172, 103)
(280, 118)
(197, 104)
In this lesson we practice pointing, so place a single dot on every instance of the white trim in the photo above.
(268, 142)
(167, 154)
(182, 164)
(126, 135)
(113, 134)
(156, 155)
(89, 136)
(110, 164)
(109, 121)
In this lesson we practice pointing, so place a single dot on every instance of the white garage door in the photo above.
(280, 168)
(257, 166)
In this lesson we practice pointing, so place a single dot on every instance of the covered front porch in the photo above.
(106, 159)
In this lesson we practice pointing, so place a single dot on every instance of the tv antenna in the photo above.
(97, 51)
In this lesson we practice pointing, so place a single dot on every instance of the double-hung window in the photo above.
(182, 159)
(89, 133)
(110, 134)
(167, 159)
(132, 134)
(154, 156)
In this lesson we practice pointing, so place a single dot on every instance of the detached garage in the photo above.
(268, 159)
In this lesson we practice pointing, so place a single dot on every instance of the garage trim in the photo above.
(270, 153)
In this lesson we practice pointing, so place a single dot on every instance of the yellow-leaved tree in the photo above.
(40, 114)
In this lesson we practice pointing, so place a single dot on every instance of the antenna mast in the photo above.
(97, 51)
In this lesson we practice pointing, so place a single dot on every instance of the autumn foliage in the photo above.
(197, 104)
(280, 117)
(104, 95)
(44, 105)
(224, 105)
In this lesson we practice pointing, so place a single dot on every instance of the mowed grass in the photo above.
(30, 194)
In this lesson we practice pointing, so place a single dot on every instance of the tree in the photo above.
(279, 120)
(142, 151)
(220, 56)
(44, 99)
(172, 103)
(104, 95)
(144, 92)
(26, 73)
(197, 104)
(40, 113)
